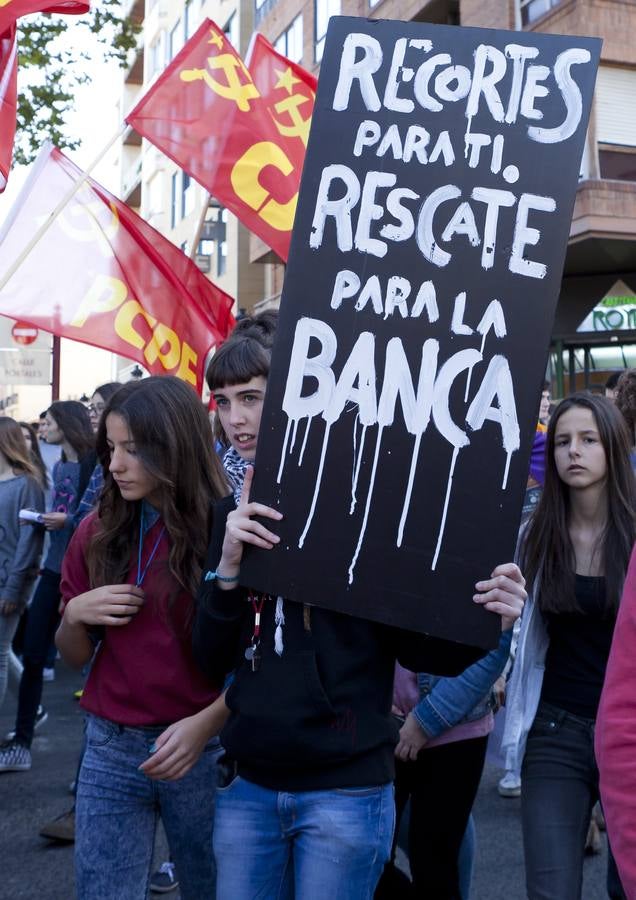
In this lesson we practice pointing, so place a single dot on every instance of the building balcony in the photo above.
(131, 185)
(604, 208)
(439, 12)
(135, 72)
(261, 253)
(132, 138)
(601, 250)
(612, 20)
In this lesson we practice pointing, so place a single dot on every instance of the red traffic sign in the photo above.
(23, 333)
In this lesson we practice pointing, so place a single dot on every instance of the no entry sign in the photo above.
(24, 334)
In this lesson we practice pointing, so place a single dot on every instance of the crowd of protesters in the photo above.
(278, 742)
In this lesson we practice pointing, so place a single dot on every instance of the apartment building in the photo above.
(595, 326)
(157, 188)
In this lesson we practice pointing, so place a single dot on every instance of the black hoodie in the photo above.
(317, 716)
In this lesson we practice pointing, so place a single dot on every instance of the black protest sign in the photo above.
(425, 267)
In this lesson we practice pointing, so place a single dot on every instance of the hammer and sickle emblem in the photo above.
(241, 92)
(245, 181)
(299, 127)
(86, 221)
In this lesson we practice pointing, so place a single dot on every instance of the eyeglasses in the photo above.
(96, 409)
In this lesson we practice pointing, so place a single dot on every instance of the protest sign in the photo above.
(424, 271)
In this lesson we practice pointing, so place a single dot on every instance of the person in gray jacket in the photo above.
(20, 546)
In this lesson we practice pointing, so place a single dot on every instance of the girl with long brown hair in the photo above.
(33, 446)
(20, 547)
(575, 552)
(128, 583)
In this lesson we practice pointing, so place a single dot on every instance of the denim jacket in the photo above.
(446, 702)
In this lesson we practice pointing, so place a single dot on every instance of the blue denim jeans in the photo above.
(8, 626)
(308, 844)
(117, 809)
(559, 781)
(42, 622)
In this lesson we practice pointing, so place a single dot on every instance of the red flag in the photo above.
(8, 100)
(206, 113)
(289, 91)
(11, 10)
(103, 276)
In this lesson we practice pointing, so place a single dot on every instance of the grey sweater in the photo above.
(20, 545)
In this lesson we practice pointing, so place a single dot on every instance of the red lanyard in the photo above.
(257, 606)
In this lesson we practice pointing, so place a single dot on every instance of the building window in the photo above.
(617, 162)
(175, 40)
(230, 30)
(221, 245)
(154, 195)
(173, 199)
(323, 11)
(187, 195)
(188, 20)
(615, 123)
(290, 42)
(531, 10)
(213, 241)
(157, 55)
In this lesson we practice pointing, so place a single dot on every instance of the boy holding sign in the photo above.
(305, 807)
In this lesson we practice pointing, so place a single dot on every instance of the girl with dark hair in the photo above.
(33, 446)
(20, 547)
(96, 407)
(305, 802)
(128, 582)
(68, 424)
(575, 551)
(101, 396)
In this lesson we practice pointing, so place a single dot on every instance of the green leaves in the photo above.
(52, 66)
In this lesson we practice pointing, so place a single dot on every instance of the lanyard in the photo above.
(253, 652)
(257, 606)
(142, 574)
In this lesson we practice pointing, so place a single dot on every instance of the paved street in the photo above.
(33, 869)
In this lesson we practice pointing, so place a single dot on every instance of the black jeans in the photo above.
(559, 781)
(41, 626)
(442, 783)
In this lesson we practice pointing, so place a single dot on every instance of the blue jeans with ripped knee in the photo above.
(117, 809)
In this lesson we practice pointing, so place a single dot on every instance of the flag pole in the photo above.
(55, 379)
(41, 231)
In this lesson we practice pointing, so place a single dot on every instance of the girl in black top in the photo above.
(575, 553)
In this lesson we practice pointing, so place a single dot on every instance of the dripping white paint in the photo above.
(424, 401)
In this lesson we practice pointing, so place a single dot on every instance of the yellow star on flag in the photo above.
(216, 39)
(286, 80)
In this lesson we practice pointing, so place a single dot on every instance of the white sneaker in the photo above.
(15, 758)
(509, 785)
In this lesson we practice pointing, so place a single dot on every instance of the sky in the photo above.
(96, 118)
